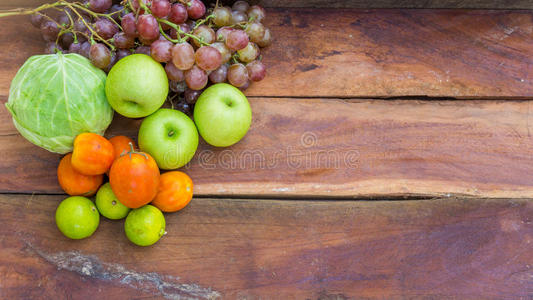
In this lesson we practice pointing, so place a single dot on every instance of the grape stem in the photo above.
(167, 37)
(72, 6)
(181, 32)
(203, 21)
(89, 27)
(25, 11)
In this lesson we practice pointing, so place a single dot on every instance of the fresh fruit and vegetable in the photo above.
(53, 98)
(198, 44)
(154, 52)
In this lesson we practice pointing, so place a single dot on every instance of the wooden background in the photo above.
(360, 109)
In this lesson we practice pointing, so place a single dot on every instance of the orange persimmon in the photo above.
(93, 154)
(134, 178)
(121, 144)
(174, 192)
(73, 182)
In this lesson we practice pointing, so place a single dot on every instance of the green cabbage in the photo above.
(55, 97)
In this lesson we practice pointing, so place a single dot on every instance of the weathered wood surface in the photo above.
(245, 249)
(369, 53)
(482, 4)
(485, 4)
(339, 148)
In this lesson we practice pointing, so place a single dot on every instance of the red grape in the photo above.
(121, 53)
(36, 20)
(238, 17)
(196, 9)
(256, 13)
(183, 56)
(196, 78)
(245, 86)
(219, 75)
(177, 86)
(145, 41)
(148, 27)
(266, 40)
(248, 53)
(237, 39)
(52, 48)
(116, 12)
(135, 5)
(222, 16)
(128, 25)
(105, 28)
(173, 73)
(192, 95)
(256, 70)
(224, 51)
(208, 58)
(74, 48)
(66, 39)
(160, 50)
(240, 6)
(237, 75)
(63, 19)
(49, 31)
(255, 31)
(222, 33)
(143, 50)
(112, 62)
(100, 6)
(160, 8)
(205, 33)
(178, 13)
(184, 27)
(85, 48)
(100, 55)
(123, 41)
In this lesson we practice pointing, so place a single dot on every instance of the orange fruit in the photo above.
(174, 192)
(121, 144)
(93, 154)
(73, 182)
(134, 178)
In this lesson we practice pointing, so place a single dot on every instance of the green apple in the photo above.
(136, 86)
(222, 115)
(170, 137)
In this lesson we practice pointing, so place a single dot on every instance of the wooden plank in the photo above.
(369, 53)
(485, 4)
(472, 4)
(278, 250)
(339, 148)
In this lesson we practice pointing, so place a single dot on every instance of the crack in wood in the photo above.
(91, 266)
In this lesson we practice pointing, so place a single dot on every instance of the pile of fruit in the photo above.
(64, 102)
(197, 45)
(134, 181)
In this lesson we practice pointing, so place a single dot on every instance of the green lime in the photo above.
(145, 225)
(77, 217)
(108, 204)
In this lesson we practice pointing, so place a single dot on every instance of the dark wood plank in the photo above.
(486, 4)
(483, 4)
(241, 249)
(339, 148)
(369, 53)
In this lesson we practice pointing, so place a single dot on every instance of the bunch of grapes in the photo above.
(196, 45)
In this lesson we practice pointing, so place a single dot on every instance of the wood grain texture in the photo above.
(369, 53)
(485, 4)
(241, 249)
(388, 53)
(339, 148)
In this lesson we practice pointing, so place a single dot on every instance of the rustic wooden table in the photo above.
(390, 157)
